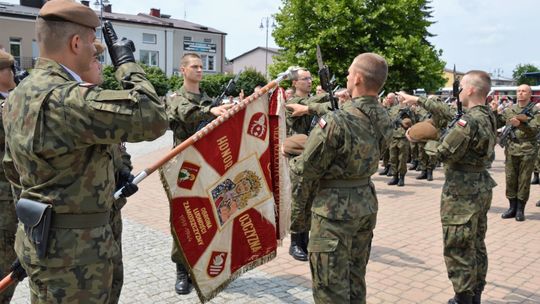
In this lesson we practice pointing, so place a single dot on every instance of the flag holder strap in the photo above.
(289, 74)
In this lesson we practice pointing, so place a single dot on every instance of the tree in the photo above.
(520, 70)
(395, 29)
(154, 74)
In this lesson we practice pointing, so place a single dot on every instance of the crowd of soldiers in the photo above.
(62, 140)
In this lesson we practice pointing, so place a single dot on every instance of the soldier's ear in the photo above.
(76, 44)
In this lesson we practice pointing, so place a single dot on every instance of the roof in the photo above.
(14, 10)
(270, 50)
(447, 70)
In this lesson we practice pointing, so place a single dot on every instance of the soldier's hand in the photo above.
(125, 182)
(222, 109)
(297, 109)
(407, 98)
(514, 121)
(409, 137)
(122, 52)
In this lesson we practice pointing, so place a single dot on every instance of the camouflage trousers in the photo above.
(90, 283)
(338, 256)
(415, 153)
(464, 232)
(426, 162)
(7, 257)
(518, 171)
(118, 264)
(537, 162)
(386, 157)
(399, 152)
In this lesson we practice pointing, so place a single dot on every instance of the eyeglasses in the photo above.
(306, 79)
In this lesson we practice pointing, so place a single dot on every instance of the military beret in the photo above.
(294, 145)
(6, 60)
(70, 11)
(423, 131)
(100, 47)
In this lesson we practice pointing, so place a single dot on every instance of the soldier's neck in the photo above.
(523, 103)
(192, 87)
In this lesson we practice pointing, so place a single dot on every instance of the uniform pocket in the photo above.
(457, 230)
(322, 259)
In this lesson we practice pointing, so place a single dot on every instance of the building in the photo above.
(159, 39)
(449, 76)
(258, 58)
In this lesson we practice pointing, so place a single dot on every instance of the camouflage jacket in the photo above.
(8, 218)
(441, 114)
(317, 105)
(344, 145)
(122, 162)
(186, 111)
(59, 137)
(397, 113)
(526, 132)
(466, 150)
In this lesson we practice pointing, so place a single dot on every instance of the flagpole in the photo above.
(209, 128)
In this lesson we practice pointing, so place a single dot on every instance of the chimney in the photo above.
(85, 3)
(155, 12)
(107, 8)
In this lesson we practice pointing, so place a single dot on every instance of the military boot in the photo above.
(429, 175)
(183, 281)
(385, 170)
(477, 298)
(390, 172)
(295, 250)
(414, 164)
(422, 175)
(461, 298)
(394, 180)
(520, 211)
(511, 212)
(401, 181)
(536, 179)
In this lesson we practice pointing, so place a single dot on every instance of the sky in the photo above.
(491, 35)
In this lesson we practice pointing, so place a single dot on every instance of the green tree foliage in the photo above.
(248, 80)
(156, 76)
(109, 82)
(213, 84)
(521, 69)
(395, 29)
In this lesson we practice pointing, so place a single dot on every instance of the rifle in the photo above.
(18, 73)
(455, 94)
(326, 82)
(227, 89)
(510, 131)
(402, 114)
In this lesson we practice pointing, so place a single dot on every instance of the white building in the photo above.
(258, 58)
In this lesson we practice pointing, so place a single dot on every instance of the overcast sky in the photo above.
(474, 34)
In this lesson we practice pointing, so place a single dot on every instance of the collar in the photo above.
(73, 74)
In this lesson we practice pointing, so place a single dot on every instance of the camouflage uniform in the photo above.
(60, 136)
(466, 197)
(520, 155)
(341, 154)
(8, 220)
(186, 111)
(399, 146)
(420, 114)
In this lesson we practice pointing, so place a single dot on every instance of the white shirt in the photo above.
(73, 74)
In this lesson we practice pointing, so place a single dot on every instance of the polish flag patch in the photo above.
(322, 123)
(462, 123)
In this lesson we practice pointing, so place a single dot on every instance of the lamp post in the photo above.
(265, 23)
(100, 4)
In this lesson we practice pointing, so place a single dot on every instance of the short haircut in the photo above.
(374, 69)
(295, 75)
(54, 36)
(479, 80)
(184, 61)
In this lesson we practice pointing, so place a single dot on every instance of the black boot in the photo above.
(461, 298)
(477, 298)
(536, 179)
(183, 281)
(429, 175)
(520, 211)
(390, 172)
(401, 181)
(422, 175)
(385, 170)
(295, 250)
(511, 212)
(393, 181)
(414, 164)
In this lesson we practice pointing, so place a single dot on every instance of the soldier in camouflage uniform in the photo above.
(60, 135)
(403, 118)
(187, 109)
(520, 154)
(467, 192)
(8, 218)
(388, 103)
(420, 114)
(341, 154)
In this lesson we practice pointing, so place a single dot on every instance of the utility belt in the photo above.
(38, 218)
(344, 183)
(467, 168)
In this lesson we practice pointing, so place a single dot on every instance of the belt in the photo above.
(80, 221)
(344, 183)
(467, 168)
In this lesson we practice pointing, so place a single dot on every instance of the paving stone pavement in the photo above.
(406, 263)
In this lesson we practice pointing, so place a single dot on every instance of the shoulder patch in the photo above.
(462, 123)
(322, 123)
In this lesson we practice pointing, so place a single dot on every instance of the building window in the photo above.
(208, 62)
(208, 40)
(150, 58)
(149, 38)
(15, 49)
(187, 38)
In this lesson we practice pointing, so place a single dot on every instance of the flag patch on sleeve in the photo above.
(322, 123)
(462, 123)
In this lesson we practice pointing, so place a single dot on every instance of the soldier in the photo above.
(399, 146)
(8, 218)
(521, 153)
(60, 135)
(187, 109)
(341, 154)
(388, 103)
(466, 196)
